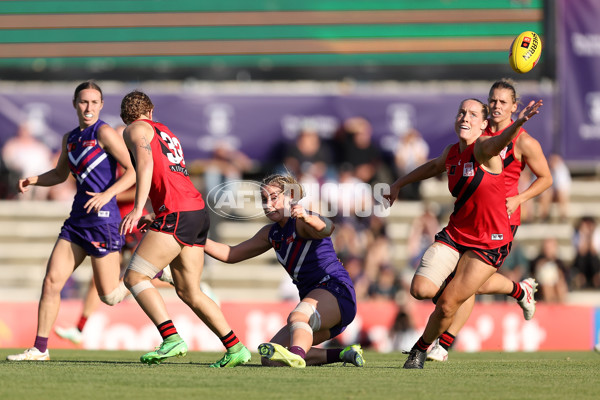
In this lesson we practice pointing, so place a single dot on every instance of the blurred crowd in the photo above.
(344, 168)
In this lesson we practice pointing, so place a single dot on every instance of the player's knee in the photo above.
(141, 266)
(140, 287)
(447, 307)
(186, 294)
(422, 290)
(114, 297)
(130, 279)
(307, 314)
(51, 285)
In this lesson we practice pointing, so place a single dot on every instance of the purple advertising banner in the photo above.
(257, 124)
(579, 77)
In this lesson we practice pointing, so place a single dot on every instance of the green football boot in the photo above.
(353, 354)
(233, 359)
(173, 346)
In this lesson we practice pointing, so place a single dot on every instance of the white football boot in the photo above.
(527, 303)
(437, 352)
(31, 354)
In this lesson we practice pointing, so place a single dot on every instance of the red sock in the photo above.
(517, 292)
(422, 344)
(446, 340)
(81, 323)
(229, 340)
(167, 329)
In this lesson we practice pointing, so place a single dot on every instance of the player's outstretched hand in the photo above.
(531, 110)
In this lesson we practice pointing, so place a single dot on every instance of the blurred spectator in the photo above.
(24, 156)
(348, 198)
(226, 166)
(358, 149)
(586, 266)
(560, 190)
(422, 233)
(551, 273)
(355, 268)
(5, 181)
(348, 241)
(412, 151)
(516, 266)
(308, 155)
(378, 255)
(386, 285)
(403, 333)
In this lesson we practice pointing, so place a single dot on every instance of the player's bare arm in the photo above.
(137, 138)
(532, 155)
(57, 175)
(252, 247)
(428, 170)
(311, 226)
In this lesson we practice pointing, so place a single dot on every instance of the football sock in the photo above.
(41, 343)
(517, 291)
(167, 329)
(446, 340)
(299, 351)
(81, 323)
(421, 344)
(230, 341)
(333, 355)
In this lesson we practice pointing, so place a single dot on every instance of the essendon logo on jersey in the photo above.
(451, 169)
(468, 169)
(503, 152)
(89, 143)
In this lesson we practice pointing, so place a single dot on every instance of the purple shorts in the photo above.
(97, 241)
(346, 300)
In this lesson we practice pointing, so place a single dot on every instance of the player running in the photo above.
(521, 151)
(176, 235)
(477, 238)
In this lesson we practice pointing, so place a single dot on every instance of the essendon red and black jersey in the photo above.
(479, 218)
(512, 170)
(171, 189)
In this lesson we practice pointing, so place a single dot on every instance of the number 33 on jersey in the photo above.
(173, 189)
(171, 148)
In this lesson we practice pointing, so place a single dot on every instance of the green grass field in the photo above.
(81, 374)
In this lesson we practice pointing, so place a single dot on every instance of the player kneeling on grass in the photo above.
(303, 247)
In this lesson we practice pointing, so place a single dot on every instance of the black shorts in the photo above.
(189, 228)
(494, 257)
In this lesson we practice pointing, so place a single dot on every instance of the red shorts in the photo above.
(494, 257)
(189, 228)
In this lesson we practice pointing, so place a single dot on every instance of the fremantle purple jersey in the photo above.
(308, 261)
(94, 170)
